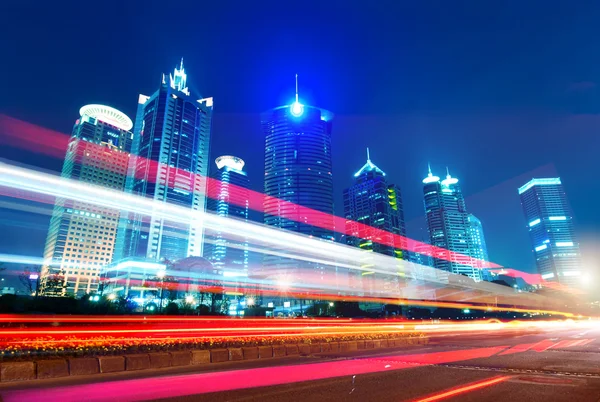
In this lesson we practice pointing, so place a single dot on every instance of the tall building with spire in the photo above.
(550, 224)
(171, 142)
(375, 203)
(448, 226)
(81, 236)
(298, 173)
(229, 197)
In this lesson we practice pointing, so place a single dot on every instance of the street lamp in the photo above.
(161, 275)
(189, 299)
(36, 278)
(250, 301)
(112, 296)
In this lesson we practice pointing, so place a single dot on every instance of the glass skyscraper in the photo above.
(449, 227)
(374, 202)
(81, 237)
(229, 196)
(479, 247)
(171, 142)
(550, 225)
(297, 173)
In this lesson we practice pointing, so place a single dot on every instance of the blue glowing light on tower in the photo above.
(297, 108)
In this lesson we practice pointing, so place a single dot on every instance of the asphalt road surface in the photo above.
(505, 365)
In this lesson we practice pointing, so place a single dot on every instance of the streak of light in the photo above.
(466, 388)
(304, 247)
(55, 144)
(203, 383)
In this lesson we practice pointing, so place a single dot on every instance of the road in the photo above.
(505, 365)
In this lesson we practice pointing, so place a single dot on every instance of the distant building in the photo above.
(478, 245)
(448, 226)
(81, 237)
(550, 225)
(298, 172)
(374, 203)
(228, 197)
(171, 143)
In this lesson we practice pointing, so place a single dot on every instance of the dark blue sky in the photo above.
(498, 92)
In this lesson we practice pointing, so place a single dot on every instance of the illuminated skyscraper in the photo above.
(550, 225)
(81, 237)
(172, 136)
(374, 202)
(298, 172)
(229, 197)
(448, 226)
(478, 246)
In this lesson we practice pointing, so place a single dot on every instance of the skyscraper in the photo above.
(82, 236)
(374, 202)
(297, 172)
(229, 197)
(172, 137)
(550, 225)
(448, 226)
(478, 245)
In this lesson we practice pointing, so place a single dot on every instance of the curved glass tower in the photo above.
(298, 172)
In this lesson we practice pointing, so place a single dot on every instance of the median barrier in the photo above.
(265, 352)
(77, 366)
(111, 364)
(219, 355)
(250, 353)
(54, 368)
(236, 354)
(160, 360)
(181, 358)
(83, 366)
(200, 357)
(137, 362)
(17, 371)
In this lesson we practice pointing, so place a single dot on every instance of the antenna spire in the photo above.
(296, 87)
(181, 67)
(429, 168)
(447, 172)
(368, 156)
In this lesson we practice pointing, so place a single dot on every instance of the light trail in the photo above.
(55, 144)
(326, 253)
(464, 389)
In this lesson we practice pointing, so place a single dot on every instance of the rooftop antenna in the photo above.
(296, 87)
(429, 168)
(368, 156)
(447, 172)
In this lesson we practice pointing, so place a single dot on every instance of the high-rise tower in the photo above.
(297, 174)
(229, 197)
(172, 137)
(550, 225)
(374, 203)
(81, 237)
(448, 226)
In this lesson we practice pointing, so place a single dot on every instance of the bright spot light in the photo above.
(161, 274)
(250, 301)
(33, 277)
(112, 296)
(466, 311)
(330, 304)
(189, 299)
(297, 109)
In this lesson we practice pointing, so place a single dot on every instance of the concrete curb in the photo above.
(75, 366)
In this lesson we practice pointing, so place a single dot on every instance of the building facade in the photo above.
(448, 226)
(171, 144)
(373, 203)
(479, 247)
(298, 176)
(550, 225)
(228, 197)
(81, 237)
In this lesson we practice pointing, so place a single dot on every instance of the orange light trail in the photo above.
(464, 389)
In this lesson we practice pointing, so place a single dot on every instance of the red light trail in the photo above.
(466, 388)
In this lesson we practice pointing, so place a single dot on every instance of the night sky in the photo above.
(499, 92)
